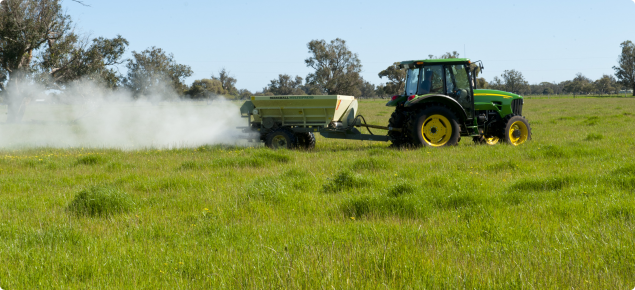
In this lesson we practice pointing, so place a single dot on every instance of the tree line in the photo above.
(38, 44)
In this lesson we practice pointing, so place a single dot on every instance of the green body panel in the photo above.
(484, 100)
(397, 101)
(494, 100)
(417, 98)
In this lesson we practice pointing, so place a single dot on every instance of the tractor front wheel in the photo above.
(436, 126)
(517, 130)
(281, 139)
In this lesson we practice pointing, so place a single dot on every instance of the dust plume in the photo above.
(87, 115)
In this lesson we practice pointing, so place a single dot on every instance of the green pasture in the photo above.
(556, 213)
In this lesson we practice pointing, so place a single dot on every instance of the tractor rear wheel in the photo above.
(306, 140)
(436, 126)
(517, 130)
(281, 139)
(398, 120)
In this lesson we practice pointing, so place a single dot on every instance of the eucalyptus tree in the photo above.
(625, 70)
(155, 73)
(336, 68)
(25, 26)
(396, 79)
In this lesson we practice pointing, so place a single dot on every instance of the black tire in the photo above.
(306, 140)
(435, 126)
(398, 120)
(517, 130)
(482, 140)
(281, 138)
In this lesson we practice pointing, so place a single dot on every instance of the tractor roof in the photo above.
(442, 60)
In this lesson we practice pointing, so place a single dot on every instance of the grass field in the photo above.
(555, 213)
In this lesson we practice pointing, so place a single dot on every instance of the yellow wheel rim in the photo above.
(436, 130)
(491, 140)
(518, 133)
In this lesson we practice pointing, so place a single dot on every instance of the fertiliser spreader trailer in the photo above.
(290, 121)
(440, 104)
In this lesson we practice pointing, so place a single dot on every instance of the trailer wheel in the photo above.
(306, 140)
(281, 139)
(435, 127)
(517, 130)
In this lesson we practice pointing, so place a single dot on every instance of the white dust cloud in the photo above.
(88, 116)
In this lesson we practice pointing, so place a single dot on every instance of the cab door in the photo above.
(457, 86)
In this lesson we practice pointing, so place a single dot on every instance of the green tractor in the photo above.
(441, 104)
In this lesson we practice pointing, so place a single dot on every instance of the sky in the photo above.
(258, 40)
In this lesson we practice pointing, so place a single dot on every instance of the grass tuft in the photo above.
(401, 188)
(267, 188)
(626, 170)
(591, 121)
(89, 160)
(344, 180)
(369, 164)
(458, 200)
(547, 184)
(380, 207)
(594, 137)
(552, 151)
(100, 201)
(503, 166)
(191, 165)
(620, 212)
(259, 159)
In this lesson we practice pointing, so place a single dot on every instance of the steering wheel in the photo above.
(460, 93)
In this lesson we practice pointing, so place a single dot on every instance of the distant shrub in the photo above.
(100, 201)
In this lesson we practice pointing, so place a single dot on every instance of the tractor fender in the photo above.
(443, 99)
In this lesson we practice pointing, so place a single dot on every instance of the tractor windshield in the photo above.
(412, 80)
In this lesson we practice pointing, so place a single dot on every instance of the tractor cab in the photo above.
(442, 80)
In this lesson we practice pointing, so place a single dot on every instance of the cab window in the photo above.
(456, 78)
(411, 81)
(458, 85)
(432, 80)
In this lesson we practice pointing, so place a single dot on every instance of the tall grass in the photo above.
(555, 213)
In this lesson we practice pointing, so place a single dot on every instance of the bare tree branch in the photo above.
(81, 2)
